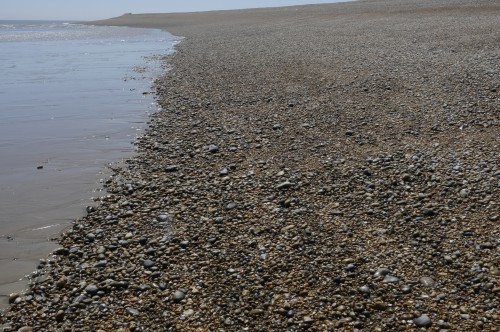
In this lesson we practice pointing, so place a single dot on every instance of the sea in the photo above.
(73, 99)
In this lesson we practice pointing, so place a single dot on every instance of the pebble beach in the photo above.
(327, 167)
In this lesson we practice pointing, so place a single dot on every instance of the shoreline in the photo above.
(346, 177)
(71, 144)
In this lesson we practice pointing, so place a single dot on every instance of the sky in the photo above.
(101, 9)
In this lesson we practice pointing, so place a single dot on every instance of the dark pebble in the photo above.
(148, 263)
(423, 321)
(179, 296)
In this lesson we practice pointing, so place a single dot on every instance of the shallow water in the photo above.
(72, 99)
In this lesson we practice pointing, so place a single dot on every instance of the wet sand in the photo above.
(329, 167)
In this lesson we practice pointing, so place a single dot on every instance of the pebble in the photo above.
(381, 272)
(213, 148)
(406, 289)
(443, 325)
(61, 252)
(336, 213)
(164, 218)
(427, 282)
(256, 312)
(284, 185)
(179, 295)
(101, 264)
(423, 321)
(13, 297)
(365, 290)
(390, 279)
(91, 289)
(143, 288)
(464, 193)
(308, 320)
(90, 209)
(171, 168)
(188, 313)
(132, 311)
(379, 305)
(350, 267)
(60, 315)
(148, 263)
(25, 329)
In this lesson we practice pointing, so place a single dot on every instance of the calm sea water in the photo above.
(72, 99)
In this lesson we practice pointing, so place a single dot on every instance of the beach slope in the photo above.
(321, 167)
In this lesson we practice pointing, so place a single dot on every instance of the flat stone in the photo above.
(390, 279)
(148, 263)
(487, 245)
(427, 282)
(171, 168)
(284, 185)
(132, 311)
(187, 313)
(308, 320)
(79, 299)
(164, 218)
(143, 288)
(61, 252)
(101, 264)
(256, 312)
(381, 272)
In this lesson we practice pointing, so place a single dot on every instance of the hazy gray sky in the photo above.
(99, 9)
